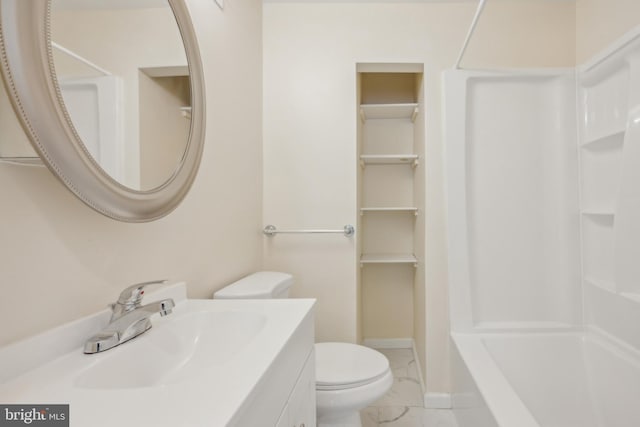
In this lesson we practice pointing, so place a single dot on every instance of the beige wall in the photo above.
(13, 140)
(528, 33)
(310, 55)
(59, 260)
(600, 22)
(161, 147)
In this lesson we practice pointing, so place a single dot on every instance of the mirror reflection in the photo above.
(122, 71)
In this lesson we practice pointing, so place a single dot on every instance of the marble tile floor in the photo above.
(402, 406)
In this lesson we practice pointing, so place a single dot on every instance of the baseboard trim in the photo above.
(389, 342)
(437, 400)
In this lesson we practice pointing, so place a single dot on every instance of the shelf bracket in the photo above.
(414, 114)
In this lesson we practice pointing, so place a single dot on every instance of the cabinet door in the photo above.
(302, 404)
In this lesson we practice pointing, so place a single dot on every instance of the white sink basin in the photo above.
(209, 363)
(180, 347)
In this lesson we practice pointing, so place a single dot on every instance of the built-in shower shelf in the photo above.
(609, 140)
(633, 296)
(610, 287)
(606, 285)
(389, 159)
(390, 210)
(388, 111)
(388, 259)
(604, 219)
(598, 213)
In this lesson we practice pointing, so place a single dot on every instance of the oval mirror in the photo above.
(111, 95)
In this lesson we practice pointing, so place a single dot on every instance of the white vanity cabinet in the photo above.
(285, 395)
(214, 363)
(300, 410)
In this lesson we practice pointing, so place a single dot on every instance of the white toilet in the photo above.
(349, 377)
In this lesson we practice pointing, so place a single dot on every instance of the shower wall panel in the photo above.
(517, 152)
(609, 136)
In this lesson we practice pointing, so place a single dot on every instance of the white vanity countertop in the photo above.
(44, 370)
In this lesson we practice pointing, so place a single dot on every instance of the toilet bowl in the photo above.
(349, 377)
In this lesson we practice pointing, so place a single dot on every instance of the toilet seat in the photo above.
(342, 366)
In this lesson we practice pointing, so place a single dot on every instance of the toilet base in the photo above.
(342, 407)
(352, 419)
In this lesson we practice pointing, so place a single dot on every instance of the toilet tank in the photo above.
(260, 285)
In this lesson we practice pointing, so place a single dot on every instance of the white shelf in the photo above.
(390, 209)
(388, 111)
(389, 159)
(602, 218)
(631, 296)
(601, 284)
(595, 213)
(389, 259)
(601, 166)
(611, 288)
(598, 250)
(610, 140)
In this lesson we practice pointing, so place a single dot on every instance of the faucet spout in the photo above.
(128, 320)
(135, 322)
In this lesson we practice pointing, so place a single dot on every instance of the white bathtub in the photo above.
(544, 380)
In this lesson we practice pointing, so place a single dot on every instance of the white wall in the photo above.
(310, 56)
(59, 260)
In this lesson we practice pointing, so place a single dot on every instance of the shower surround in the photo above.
(543, 187)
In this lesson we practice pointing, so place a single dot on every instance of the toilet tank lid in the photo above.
(263, 284)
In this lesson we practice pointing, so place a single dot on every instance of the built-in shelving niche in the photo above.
(390, 146)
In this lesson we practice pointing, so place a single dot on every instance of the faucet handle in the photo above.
(132, 295)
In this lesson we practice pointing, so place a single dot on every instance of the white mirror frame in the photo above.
(28, 70)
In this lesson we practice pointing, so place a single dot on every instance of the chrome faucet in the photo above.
(129, 319)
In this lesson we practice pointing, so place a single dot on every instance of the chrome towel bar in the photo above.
(271, 230)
